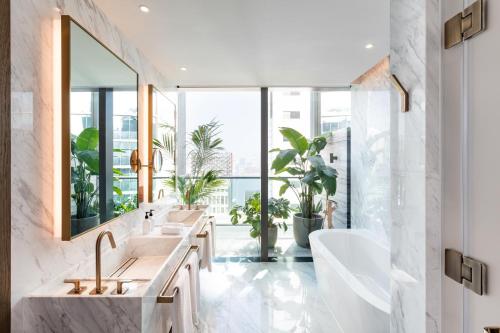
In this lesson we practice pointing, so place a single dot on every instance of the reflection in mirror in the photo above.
(100, 105)
(162, 116)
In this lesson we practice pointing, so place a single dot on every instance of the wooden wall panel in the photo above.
(5, 201)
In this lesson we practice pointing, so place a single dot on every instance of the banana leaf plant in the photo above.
(278, 209)
(303, 161)
(85, 165)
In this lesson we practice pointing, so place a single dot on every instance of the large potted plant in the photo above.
(204, 180)
(313, 176)
(84, 166)
(278, 209)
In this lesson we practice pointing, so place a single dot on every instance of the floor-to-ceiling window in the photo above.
(237, 115)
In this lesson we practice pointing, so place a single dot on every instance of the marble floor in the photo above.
(263, 297)
(235, 241)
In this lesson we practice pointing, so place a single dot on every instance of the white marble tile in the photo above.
(38, 257)
(415, 166)
(263, 297)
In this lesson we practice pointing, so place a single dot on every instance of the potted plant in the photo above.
(304, 161)
(278, 209)
(84, 166)
(203, 181)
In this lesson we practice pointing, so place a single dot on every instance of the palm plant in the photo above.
(205, 147)
(166, 143)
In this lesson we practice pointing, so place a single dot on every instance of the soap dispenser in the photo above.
(146, 225)
(151, 218)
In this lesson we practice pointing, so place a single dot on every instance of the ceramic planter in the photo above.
(302, 227)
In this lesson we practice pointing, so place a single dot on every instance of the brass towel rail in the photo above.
(202, 234)
(163, 298)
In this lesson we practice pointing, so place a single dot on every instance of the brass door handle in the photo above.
(77, 288)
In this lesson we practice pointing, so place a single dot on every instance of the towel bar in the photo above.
(162, 298)
(204, 234)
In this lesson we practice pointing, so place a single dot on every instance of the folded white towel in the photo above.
(194, 278)
(172, 228)
(182, 319)
(206, 246)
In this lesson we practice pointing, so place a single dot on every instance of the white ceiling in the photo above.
(257, 42)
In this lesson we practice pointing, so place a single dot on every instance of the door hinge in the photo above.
(464, 270)
(465, 25)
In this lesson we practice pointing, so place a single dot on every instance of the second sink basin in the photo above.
(187, 217)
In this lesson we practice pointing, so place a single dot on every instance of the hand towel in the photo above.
(206, 245)
(213, 227)
(182, 318)
(194, 278)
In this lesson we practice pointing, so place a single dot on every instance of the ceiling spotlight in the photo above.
(369, 46)
(183, 69)
(144, 8)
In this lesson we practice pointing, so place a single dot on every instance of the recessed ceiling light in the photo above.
(369, 46)
(183, 69)
(144, 8)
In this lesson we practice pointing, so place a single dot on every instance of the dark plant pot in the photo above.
(81, 225)
(302, 227)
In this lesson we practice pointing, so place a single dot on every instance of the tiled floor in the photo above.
(263, 297)
(235, 241)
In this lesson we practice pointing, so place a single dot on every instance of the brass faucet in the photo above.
(188, 197)
(98, 288)
(161, 194)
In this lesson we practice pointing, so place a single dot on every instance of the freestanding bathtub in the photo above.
(353, 275)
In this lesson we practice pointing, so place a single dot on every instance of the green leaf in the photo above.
(274, 150)
(91, 159)
(297, 140)
(317, 145)
(118, 150)
(328, 180)
(88, 139)
(329, 171)
(316, 161)
(117, 172)
(317, 188)
(294, 171)
(118, 190)
(283, 189)
(310, 177)
(283, 159)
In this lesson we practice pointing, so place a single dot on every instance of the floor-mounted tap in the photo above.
(98, 288)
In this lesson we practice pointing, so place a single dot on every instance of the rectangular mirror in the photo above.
(99, 132)
(162, 143)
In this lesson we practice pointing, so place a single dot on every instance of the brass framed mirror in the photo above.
(162, 143)
(99, 132)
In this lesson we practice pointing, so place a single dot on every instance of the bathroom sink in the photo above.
(187, 217)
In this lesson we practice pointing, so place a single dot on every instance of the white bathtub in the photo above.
(353, 275)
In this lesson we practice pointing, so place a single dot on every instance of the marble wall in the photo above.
(371, 169)
(415, 168)
(37, 256)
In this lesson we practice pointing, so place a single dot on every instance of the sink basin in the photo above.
(187, 217)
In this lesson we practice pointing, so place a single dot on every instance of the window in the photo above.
(291, 114)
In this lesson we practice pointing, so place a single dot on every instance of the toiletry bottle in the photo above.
(152, 219)
(146, 225)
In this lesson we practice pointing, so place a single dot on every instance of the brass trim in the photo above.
(202, 234)
(65, 126)
(135, 161)
(77, 288)
(492, 330)
(161, 298)
(405, 97)
(123, 267)
(150, 140)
